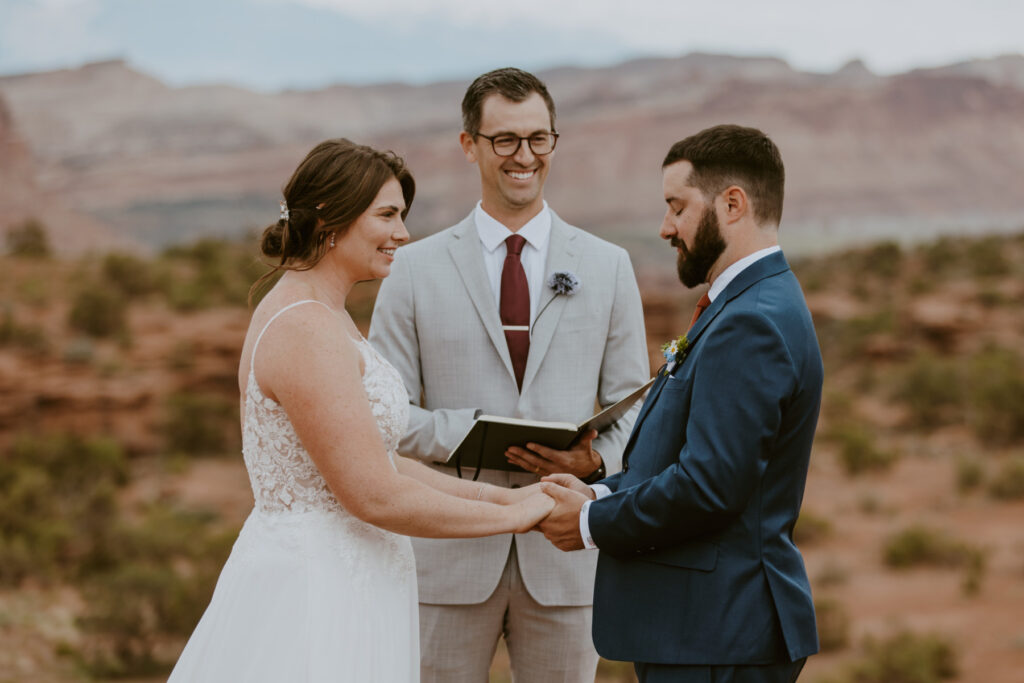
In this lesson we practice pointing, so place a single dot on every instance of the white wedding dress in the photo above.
(310, 593)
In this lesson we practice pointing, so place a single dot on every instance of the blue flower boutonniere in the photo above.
(675, 351)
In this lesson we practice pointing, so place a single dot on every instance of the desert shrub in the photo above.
(995, 392)
(199, 424)
(920, 546)
(1008, 484)
(905, 658)
(833, 624)
(14, 334)
(929, 390)
(29, 240)
(883, 259)
(99, 311)
(210, 272)
(811, 528)
(969, 474)
(940, 256)
(57, 505)
(131, 275)
(858, 451)
(168, 562)
(987, 257)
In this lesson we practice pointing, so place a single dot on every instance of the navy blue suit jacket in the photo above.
(697, 563)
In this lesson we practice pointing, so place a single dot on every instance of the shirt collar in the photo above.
(730, 273)
(492, 232)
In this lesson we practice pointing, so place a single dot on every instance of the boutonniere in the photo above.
(675, 351)
(561, 282)
(564, 282)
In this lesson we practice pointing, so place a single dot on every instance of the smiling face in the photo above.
(511, 187)
(367, 248)
(691, 225)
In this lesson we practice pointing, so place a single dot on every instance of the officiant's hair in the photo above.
(734, 155)
(332, 187)
(511, 83)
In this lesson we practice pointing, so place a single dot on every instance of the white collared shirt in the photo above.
(536, 232)
(717, 287)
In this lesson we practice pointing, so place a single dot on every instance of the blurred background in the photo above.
(143, 146)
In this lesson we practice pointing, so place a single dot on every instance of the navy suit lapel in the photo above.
(770, 265)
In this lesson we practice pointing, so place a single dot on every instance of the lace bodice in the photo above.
(283, 477)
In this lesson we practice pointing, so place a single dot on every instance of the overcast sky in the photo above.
(273, 44)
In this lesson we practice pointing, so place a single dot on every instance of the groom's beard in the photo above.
(708, 245)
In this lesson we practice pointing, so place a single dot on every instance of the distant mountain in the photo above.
(906, 156)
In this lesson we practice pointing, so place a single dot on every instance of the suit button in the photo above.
(514, 486)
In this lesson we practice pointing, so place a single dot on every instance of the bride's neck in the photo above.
(326, 284)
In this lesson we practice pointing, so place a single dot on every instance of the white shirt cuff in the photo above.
(600, 491)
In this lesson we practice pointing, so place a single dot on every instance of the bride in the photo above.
(321, 583)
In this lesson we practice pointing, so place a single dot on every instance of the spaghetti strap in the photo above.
(252, 356)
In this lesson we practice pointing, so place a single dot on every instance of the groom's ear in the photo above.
(468, 146)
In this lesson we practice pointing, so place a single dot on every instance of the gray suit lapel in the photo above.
(465, 252)
(563, 254)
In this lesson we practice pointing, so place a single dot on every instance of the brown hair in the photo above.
(733, 155)
(332, 187)
(511, 83)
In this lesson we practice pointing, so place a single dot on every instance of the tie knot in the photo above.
(514, 244)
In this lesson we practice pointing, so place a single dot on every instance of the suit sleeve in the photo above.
(625, 365)
(743, 378)
(432, 434)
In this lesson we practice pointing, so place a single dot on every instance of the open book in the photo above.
(486, 441)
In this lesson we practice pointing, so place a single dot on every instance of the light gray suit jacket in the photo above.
(437, 322)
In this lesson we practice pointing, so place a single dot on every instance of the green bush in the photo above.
(199, 424)
(131, 275)
(833, 624)
(906, 658)
(929, 389)
(30, 338)
(1008, 484)
(923, 547)
(987, 257)
(883, 259)
(811, 528)
(995, 390)
(969, 474)
(858, 451)
(29, 240)
(57, 505)
(99, 312)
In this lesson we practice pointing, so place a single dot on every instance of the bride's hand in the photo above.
(510, 496)
(532, 510)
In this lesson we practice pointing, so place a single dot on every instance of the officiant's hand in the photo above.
(562, 525)
(581, 460)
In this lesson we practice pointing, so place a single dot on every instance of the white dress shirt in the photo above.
(536, 232)
(717, 287)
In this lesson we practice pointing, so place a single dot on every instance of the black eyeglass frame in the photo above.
(519, 142)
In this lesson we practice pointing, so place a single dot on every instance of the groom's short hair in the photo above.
(735, 155)
(513, 84)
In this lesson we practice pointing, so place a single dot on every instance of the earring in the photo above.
(332, 241)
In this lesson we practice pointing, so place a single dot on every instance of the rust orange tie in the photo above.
(704, 302)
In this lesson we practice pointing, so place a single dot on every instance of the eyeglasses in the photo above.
(506, 144)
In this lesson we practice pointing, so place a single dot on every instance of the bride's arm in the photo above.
(310, 366)
(473, 490)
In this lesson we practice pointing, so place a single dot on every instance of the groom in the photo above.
(698, 578)
(473, 322)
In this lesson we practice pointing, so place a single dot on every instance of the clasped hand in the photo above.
(559, 518)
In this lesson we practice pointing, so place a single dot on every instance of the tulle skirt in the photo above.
(309, 597)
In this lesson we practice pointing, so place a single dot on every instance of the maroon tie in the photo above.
(515, 306)
(704, 302)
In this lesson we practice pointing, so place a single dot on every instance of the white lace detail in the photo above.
(284, 479)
